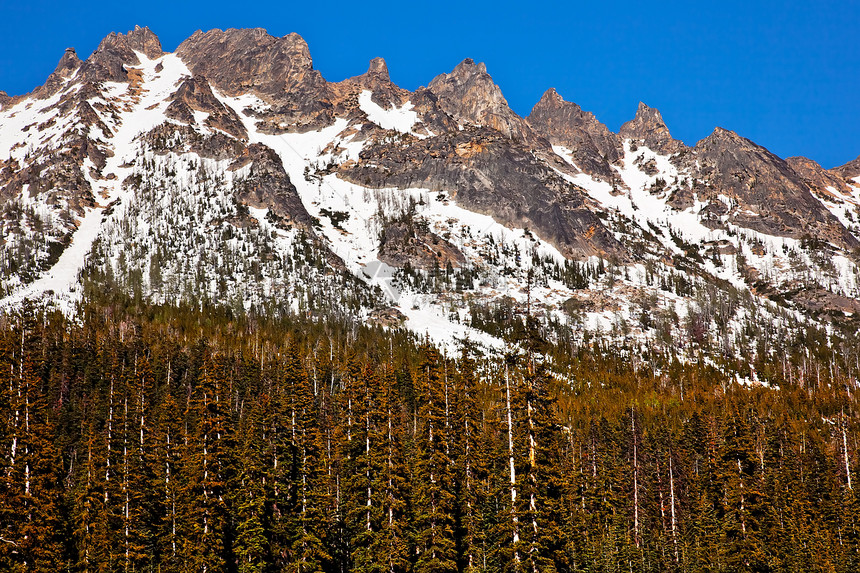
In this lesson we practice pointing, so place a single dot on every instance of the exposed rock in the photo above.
(848, 171)
(648, 128)
(66, 67)
(117, 51)
(469, 94)
(269, 187)
(388, 317)
(344, 95)
(485, 172)
(564, 123)
(818, 178)
(4, 99)
(408, 241)
(771, 197)
(252, 61)
(195, 95)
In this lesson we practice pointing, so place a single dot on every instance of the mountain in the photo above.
(231, 172)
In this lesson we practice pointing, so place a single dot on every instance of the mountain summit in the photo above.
(231, 172)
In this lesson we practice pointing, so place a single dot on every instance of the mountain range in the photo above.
(231, 172)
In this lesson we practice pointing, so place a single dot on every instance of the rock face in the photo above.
(818, 178)
(848, 171)
(564, 123)
(269, 187)
(107, 63)
(469, 94)
(772, 198)
(411, 242)
(195, 95)
(277, 70)
(648, 128)
(484, 172)
(252, 61)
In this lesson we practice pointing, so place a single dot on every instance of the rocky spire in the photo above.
(648, 128)
(565, 123)
(378, 70)
(66, 67)
(469, 94)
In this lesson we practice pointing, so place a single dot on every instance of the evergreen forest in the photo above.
(149, 438)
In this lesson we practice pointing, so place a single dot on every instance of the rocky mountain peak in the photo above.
(4, 99)
(647, 127)
(251, 60)
(469, 94)
(141, 40)
(375, 78)
(772, 196)
(68, 63)
(564, 123)
(116, 51)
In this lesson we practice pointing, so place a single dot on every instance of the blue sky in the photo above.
(784, 74)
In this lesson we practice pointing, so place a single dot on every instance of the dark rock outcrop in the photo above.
(485, 172)
(269, 187)
(194, 94)
(412, 242)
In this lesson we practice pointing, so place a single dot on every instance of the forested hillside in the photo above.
(147, 438)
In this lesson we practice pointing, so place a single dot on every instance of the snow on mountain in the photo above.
(440, 210)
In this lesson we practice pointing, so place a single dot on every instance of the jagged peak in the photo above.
(551, 98)
(648, 126)
(141, 40)
(649, 114)
(465, 72)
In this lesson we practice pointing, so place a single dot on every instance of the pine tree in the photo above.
(434, 497)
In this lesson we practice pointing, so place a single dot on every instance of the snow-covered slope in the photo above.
(172, 187)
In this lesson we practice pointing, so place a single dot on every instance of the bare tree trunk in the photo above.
(513, 472)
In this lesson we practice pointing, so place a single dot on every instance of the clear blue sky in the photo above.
(784, 74)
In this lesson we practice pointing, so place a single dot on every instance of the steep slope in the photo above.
(231, 172)
(648, 128)
(589, 143)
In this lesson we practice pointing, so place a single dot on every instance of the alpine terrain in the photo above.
(231, 292)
